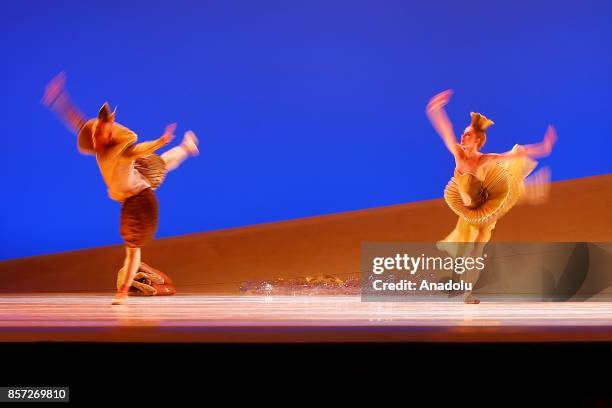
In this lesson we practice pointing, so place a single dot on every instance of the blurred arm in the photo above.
(59, 102)
(536, 150)
(440, 121)
(143, 149)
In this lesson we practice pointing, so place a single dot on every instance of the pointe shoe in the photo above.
(190, 143)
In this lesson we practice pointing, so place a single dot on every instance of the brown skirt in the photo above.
(139, 218)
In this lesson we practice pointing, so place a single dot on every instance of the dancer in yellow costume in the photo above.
(485, 186)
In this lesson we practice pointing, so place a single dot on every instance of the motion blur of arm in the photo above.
(146, 148)
(57, 99)
(440, 121)
(536, 150)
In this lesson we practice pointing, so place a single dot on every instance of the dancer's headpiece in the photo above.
(480, 123)
(105, 114)
(85, 134)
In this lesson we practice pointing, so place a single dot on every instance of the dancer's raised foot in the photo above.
(190, 143)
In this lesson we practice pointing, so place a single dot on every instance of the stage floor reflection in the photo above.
(205, 318)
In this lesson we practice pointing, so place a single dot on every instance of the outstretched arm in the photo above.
(57, 100)
(439, 119)
(145, 148)
(536, 150)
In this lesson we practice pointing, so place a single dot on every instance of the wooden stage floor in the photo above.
(282, 319)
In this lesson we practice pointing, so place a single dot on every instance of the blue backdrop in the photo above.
(302, 108)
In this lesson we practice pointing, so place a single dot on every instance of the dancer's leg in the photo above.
(130, 267)
(472, 276)
(120, 277)
(175, 156)
(482, 239)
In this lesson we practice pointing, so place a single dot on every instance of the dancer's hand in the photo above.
(535, 150)
(439, 101)
(550, 138)
(169, 133)
(54, 88)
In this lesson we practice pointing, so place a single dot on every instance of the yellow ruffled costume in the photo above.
(481, 199)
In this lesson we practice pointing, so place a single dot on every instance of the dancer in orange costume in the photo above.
(131, 171)
(485, 186)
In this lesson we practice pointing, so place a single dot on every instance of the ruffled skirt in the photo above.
(504, 186)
